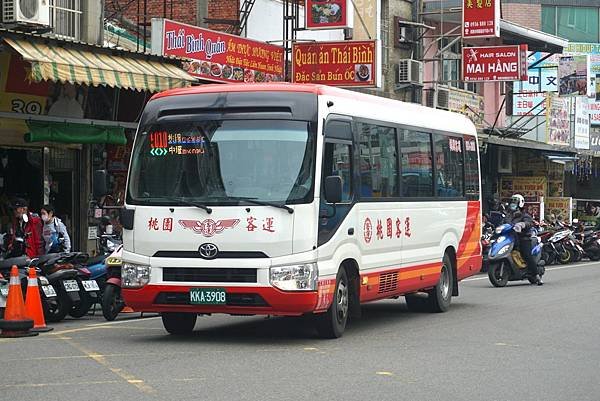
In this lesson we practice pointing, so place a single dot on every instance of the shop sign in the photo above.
(217, 56)
(17, 94)
(328, 14)
(588, 210)
(573, 76)
(533, 189)
(348, 63)
(558, 127)
(495, 63)
(467, 103)
(529, 96)
(481, 19)
(559, 207)
(582, 123)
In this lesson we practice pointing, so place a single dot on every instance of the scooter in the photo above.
(506, 262)
(112, 301)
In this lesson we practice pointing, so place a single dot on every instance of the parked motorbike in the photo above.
(556, 249)
(112, 301)
(506, 262)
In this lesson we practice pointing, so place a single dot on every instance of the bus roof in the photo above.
(324, 90)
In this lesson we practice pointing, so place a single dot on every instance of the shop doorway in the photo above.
(21, 175)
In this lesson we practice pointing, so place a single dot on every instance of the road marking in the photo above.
(101, 360)
(123, 321)
(85, 383)
(383, 373)
(547, 269)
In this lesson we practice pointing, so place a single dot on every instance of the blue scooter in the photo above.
(506, 263)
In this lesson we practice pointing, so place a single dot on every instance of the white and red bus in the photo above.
(283, 199)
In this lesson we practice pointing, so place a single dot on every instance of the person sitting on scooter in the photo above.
(523, 223)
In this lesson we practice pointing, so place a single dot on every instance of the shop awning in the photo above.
(46, 131)
(70, 64)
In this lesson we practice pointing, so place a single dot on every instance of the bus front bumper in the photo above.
(239, 300)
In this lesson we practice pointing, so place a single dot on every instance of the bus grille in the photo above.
(388, 282)
(209, 275)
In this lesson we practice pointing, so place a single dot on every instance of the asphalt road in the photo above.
(517, 343)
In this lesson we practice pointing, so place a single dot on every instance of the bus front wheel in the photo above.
(332, 323)
(179, 323)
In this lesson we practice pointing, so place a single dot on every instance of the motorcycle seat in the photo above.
(20, 261)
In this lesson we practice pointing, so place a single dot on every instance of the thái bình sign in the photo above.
(347, 63)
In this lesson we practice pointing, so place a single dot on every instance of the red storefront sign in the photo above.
(347, 63)
(481, 18)
(217, 56)
(494, 63)
(326, 14)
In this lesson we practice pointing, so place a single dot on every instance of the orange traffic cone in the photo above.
(33, 303)
(15, 322)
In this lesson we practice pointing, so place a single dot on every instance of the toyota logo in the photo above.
(208, 251)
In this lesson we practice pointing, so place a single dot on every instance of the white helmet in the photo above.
(518, 200)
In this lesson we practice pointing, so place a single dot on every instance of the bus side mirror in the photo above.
(333, 189)
(100, 184)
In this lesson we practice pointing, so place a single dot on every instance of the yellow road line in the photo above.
(101, 360)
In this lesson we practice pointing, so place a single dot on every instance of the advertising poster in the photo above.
(217, 56)
(467, 103)
(328, 14)
(347, 63)
(558, 127)
(559, 207)
(573, 75)
(481, 18)
(493, 63)
(595, 139)
(533, 189)
(582, 123)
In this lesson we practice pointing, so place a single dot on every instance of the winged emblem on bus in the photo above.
(208, 227)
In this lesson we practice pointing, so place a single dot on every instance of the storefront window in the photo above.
(577, 24)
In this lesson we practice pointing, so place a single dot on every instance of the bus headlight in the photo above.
(295, 278)
(134, 276)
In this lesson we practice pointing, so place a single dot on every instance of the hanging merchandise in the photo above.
(583, 168)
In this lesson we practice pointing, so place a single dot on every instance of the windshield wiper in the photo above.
(190, 203)
(262, 203)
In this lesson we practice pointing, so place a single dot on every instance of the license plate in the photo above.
(71, 285)
(207, 296)
(48, 290)
(90, 285)
(4, 291)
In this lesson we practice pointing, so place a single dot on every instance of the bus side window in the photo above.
(338, 161)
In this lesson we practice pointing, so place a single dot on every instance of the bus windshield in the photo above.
(223, 162)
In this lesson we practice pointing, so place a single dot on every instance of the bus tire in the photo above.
(332, 323)
(179, 323)
(440, 296)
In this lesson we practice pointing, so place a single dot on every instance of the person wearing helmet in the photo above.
(523, 223)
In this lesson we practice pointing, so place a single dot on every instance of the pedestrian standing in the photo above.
(56, 237)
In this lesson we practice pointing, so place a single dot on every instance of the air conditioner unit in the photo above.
(26, 12)
(437, 98)
(410, 71)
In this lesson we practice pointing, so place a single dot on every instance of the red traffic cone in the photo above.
(15, 322)
(33, 303)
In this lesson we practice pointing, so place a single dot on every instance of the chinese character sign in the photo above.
(481, 19)
(582, 123)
